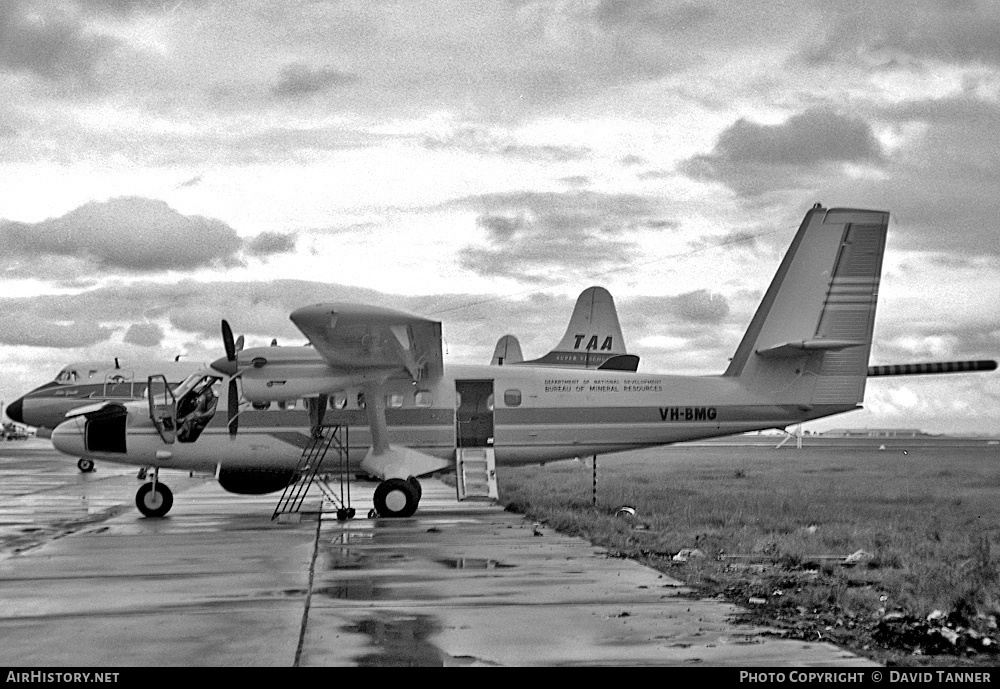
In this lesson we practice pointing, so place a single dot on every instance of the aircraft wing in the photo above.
(372, 338)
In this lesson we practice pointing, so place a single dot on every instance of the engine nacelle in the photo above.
(256, 481)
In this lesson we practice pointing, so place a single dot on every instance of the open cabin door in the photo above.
(162, 407)
(475, 465)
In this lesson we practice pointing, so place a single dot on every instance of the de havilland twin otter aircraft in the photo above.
(380, 372)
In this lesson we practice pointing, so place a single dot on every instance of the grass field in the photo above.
(776, 527)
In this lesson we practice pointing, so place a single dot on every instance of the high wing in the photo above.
(371, 338)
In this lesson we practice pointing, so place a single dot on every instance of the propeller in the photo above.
(233, 407)
(230, 367)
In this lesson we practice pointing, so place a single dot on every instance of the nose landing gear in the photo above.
(154, 499)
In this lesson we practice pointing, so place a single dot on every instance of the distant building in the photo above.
(874, 433)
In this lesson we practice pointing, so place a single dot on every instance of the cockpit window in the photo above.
(67, 376)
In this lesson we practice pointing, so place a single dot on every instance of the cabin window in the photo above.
(512, 398)
(393, 401)
(423, 398)
(337, 402)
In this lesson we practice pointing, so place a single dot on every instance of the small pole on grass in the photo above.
(595, 482)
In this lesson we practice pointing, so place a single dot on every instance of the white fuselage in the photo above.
(531, 415)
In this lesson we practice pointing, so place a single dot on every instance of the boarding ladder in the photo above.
(475, 470)
(315, 467)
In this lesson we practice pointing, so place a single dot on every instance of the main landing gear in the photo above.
(396, 497)
(154, 499)
(85, 465)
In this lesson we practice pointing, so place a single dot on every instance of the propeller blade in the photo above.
(239, 343)
(227, 341)
(234, 408)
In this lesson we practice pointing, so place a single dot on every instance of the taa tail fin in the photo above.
(593, 338)
(808, 343)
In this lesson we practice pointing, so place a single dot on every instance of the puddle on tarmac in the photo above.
(473, 563)
(361, 589)
(400, 642)
(342, 552)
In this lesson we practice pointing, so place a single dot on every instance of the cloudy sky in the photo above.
(166, 164)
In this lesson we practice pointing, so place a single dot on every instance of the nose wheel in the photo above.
(154, 499)
(396, 497)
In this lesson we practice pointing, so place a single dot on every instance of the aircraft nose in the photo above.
(15, 410)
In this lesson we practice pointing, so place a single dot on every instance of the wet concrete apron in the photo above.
(85, 580)
(469, 584)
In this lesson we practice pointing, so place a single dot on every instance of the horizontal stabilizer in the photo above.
(622, 362)
(805, 346)
(932, 367)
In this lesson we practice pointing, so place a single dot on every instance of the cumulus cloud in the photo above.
(753, 158)
(701, 306)
(960, 32)
(268, 243)
(544, 237)
(22, 329)
(299, 80)
(129, 234)
(480, 140)
(40, 41)
(144, 334)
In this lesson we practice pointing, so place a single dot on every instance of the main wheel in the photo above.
(396, 497)
(154, 503)
(417, 487)
(85, 465)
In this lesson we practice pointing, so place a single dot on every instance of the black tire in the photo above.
(417, 487)
(154, 504)
(396, 497)
(85, 465)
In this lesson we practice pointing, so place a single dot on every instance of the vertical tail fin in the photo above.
(593, 336)
(808, 343)
(507, 351)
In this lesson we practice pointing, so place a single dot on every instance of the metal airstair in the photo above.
(475, 471)
(316, 467)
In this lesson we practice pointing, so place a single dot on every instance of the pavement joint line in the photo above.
(309, 588)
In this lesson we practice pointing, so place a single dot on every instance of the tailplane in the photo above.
(593, 338)
(809, 342)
